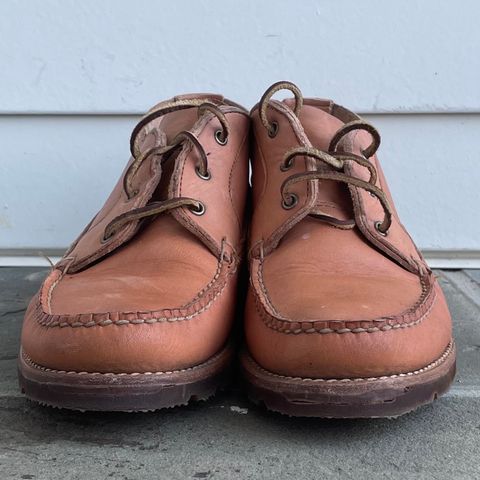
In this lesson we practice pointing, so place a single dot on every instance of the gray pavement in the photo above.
(227, 437)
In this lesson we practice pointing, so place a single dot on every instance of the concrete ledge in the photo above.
(446, 259)
(228, 437)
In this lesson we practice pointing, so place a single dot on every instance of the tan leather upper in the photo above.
(160, 293)
(330, 296)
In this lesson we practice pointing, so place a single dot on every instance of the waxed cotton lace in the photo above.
(158, 207)
(332, 158)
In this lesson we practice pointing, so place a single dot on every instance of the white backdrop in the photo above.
(74, 77)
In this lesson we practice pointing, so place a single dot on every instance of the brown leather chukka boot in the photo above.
(138, 313)
(344, 318)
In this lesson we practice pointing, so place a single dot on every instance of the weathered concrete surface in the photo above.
(228, 438)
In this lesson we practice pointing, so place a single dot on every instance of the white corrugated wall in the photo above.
(74, 76)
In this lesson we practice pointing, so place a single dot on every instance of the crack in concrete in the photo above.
(12, 312)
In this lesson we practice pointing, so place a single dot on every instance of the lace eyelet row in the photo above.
(220, 137)
(273, 130)
(204, 176)
(378, 224)
(290, 202)
(285, 166)
(200, 210)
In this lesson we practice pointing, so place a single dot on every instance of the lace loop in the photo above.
(190, 137)
(155, 113)
(289, 159)
(337, 162)
(263, 104)
(361, 161)
(155, 208)
(357, 125)
(349, 180)
(212, 108)
(139, 157)
(333, 159)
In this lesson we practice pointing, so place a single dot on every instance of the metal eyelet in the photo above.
(273, 130)
(200, 210)
(220, 137)
(207, 176)
(291, 202)
(286, 165)
(377, 228)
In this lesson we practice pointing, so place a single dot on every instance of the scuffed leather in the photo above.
(349, 355)
(330, 302)
(161, 295)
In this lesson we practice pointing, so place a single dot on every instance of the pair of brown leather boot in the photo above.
(343, 317)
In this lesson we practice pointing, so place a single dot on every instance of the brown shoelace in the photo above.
(158, 207)
(332, 158)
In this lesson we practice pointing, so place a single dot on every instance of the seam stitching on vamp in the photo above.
(30, 362)
(207, 287)
(230, 177)
(107, 321)
(308, 326)
(50, 293)
(430, 366)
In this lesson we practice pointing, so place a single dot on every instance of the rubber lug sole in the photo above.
(379, 397)
(125, 392)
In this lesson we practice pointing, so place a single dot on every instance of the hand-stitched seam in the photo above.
(308, 326)
(186, 151)
(402, 227)
(104, 323)
(252, 252)
(274, 237)
(391, 249)
(199, 231)
(209, 285)
(349, 142)
(234, 164)
(177, 182)
(50, 293)
(263, 164)
(30, 362)
(422, 297)
(105, 320)
(263, 287)
(450, 349)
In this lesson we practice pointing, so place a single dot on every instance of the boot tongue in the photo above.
(334, 203)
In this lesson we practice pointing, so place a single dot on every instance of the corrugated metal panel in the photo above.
(56, 171)
(95, 65)
(118, 55)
